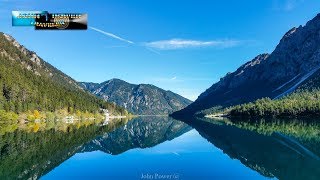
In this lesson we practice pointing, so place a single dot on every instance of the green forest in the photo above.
(300, 103)
(22, 90)
(303, 102)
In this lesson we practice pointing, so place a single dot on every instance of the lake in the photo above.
(161, 148)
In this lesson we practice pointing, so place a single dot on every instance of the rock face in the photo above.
(294, 61)
(142, 99)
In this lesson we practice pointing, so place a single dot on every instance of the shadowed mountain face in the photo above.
(294, 63)
(282, 150)
(139, 133)
(30, 154)
(142, 99)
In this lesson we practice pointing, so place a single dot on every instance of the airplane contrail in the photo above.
(124, 40)
(151, 50)
(111, 35)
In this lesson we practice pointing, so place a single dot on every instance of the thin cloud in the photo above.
(116, 46)
(185, 43)
(111, 35)
(289, 6)
(152, 50)
(122, 39)
(175, 153)
(167, 80)
(286, 5)
(176, 79)
(173, 43)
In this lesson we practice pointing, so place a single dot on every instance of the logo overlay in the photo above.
(43, 20)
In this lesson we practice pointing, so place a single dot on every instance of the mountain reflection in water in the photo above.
(34, 149)
(285, 149)
(224, 149)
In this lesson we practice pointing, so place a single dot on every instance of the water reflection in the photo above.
(142, 132)
(33, 149)
(275, 148)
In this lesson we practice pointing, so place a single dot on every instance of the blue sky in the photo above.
(182, 46)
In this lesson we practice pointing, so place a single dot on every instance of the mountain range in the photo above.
(142, 99)
(27, 82)
(292, 66)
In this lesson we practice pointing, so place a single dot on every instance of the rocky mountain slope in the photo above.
(27, 82)
(143, 99)
(294, 62)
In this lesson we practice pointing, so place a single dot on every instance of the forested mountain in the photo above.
(143, 99)
(29, 83)
(303, 102)
(294, 64)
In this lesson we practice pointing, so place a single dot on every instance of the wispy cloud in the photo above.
(174, 78)
(167, 79)
(171, 44)
(116, 46)
(111, 35)
(152, 50)
(175, 153)
(123, 40)
(286, 5)
(187, 43)
(289, 6)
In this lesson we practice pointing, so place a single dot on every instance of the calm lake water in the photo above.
(161, 148)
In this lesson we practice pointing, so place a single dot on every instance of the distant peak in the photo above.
(115, 79)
